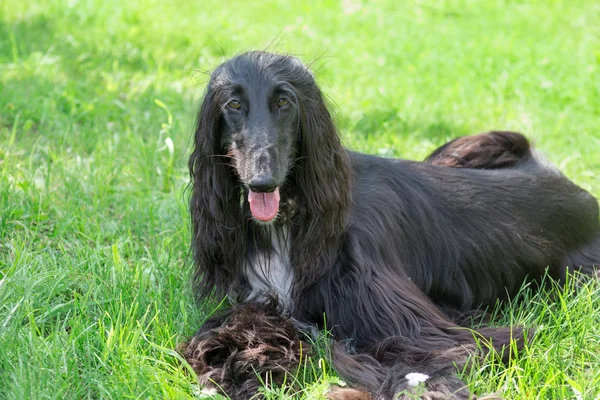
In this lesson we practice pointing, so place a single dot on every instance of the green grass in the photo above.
(94, 293)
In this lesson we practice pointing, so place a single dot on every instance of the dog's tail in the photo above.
(489, 150)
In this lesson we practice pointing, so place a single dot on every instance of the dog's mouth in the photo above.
(264, 205)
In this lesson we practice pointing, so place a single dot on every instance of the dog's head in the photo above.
(264, 137)
(264, 116)
(260, 118)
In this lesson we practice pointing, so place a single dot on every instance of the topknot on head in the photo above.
(258, 64)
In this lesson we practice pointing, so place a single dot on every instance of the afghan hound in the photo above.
(386, 254)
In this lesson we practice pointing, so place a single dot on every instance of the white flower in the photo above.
(170, 146)
(415, 378)
(204, 392)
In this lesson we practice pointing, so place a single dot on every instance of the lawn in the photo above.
(97, 103)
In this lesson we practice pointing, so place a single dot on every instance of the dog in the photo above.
(388, 255)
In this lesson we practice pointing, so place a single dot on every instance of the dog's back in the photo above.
(459, 232)
(505, 149)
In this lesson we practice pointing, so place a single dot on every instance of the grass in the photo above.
(97, 102)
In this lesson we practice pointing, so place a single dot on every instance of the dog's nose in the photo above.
(262, 184)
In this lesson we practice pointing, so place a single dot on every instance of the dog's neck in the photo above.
(268, 270)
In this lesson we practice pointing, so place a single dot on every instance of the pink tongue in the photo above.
(264, 206)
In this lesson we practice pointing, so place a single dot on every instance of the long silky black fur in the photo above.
(384, 252)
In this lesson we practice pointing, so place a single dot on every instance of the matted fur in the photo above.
(247, 347)
(385, 253)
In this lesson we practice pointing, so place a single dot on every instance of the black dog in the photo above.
(384, 253)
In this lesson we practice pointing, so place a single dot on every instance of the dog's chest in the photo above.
(270, 272)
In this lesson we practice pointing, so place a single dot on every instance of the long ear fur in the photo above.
(218, 229)
(323, 177)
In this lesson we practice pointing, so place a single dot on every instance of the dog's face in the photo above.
(259, 132)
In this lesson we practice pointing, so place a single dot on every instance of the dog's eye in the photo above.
(234, 104)
(283, 102)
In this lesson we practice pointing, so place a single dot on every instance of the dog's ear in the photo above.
(323, 175)
(216, 215)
